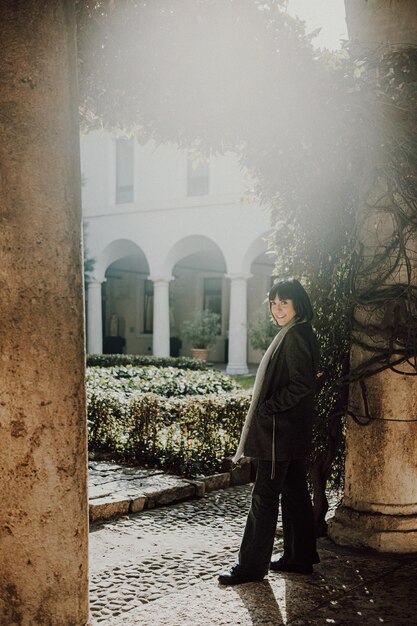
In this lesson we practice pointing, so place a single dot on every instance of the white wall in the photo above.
(160, 178)
(163, 226)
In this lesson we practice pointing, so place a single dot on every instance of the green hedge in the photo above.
(112, 360)
(191, 435)
(164, 381)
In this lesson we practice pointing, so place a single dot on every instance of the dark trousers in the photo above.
(290, 483)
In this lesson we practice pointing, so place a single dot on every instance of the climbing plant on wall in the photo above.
(349, 229)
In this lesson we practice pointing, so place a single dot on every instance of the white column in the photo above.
(94, 317)
(238, 336)
(161, 315)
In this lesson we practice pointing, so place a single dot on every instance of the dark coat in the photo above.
(287, 397)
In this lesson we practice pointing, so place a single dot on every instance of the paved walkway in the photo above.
(159, 568)
(116, 490)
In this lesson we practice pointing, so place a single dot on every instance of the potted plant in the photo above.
(202, 331)
(261, 332)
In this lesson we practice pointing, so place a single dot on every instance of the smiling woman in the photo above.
(282, 311)
(288, 300)
(278, 433)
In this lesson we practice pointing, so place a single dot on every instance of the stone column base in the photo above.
(236, 370)
(381, 532)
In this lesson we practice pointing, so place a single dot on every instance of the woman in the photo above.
(278, 432)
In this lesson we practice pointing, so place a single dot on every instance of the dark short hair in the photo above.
(292, 289)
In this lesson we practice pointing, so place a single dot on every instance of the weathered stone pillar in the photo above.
(372, 22)
(238, 331)
(161, 315)
(94, 317)
(43, 477)
(379, 507)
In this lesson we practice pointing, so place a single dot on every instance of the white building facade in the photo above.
(170, 235)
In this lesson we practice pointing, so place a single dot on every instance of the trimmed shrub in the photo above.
(190, 435)
(107, 414)
(114, 360)
(164, 381)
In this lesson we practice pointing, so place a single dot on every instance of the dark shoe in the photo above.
(279, 566)
(235, 577)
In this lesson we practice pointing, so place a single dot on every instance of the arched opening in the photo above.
(199, 283)
(127, 306)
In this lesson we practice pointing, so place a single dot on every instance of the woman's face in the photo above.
(282, 311)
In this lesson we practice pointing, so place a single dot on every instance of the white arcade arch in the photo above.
(117, 249)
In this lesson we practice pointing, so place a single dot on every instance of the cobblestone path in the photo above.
(159, 568)
(137, 560)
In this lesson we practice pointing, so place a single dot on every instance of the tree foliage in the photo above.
(205, 71)
(329, 139)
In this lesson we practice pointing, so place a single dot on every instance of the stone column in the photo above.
(238, 333)
(161, 334)
(94, 317)
(43, 461)
(379, 507)
(373, 22)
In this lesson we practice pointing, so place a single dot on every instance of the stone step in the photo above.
(116, 490)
